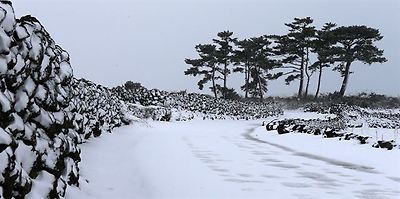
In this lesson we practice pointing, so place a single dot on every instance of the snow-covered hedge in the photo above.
(186, 106)
(44, 112)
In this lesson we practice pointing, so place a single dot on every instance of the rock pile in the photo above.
(356, 116)
(330, 128)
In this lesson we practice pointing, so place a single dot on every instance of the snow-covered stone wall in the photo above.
(95, 109)
(186, 106)
(37, 155)
(141, 95)
(44, 112)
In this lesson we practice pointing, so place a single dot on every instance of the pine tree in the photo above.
(224, 54)
(242, 58)
(205, 66)
(323, 49)
(295, 47)
(260, 61)
(355, 43)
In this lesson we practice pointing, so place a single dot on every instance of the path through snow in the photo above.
(220, 159)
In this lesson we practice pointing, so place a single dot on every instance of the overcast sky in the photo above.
(112, 41)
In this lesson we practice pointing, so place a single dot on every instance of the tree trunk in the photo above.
(307, 86)
(213, 83)
(246, 83)
(261, 91)
(248, 79)
(307, 74)
(345, 79)
(259, 84)
(301, 78)
(225, 77)
(319, 82)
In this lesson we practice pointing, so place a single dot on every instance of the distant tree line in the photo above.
(295, 56)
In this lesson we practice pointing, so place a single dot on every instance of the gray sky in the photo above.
(112, 41)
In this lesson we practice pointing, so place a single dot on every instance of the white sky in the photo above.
(112, 41)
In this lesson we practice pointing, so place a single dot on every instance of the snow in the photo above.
(295, 114)
(21, 102)
(231, 159)
(5, 156)
(3, 65)
(36, 47)
(41, 93)
(8, 21)
(21, 32)
(377, 133)
(45, 118)
(341, 151)
(29, 86)
(17, 124)
(65, 70)
(5, 139)
(4, 103)
(25, 155)
(4, 42)
(41, 186)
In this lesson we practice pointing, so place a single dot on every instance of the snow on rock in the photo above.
(44, 112)
(5, 139)
(26, 117)
(4, 103)
(97, 109)
(7, 17)
(165, 106)
(374, 127)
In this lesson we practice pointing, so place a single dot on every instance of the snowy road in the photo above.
(220, 159)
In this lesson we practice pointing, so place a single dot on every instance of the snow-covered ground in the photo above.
(231, 159)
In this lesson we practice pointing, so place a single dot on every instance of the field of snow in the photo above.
(231, 159)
